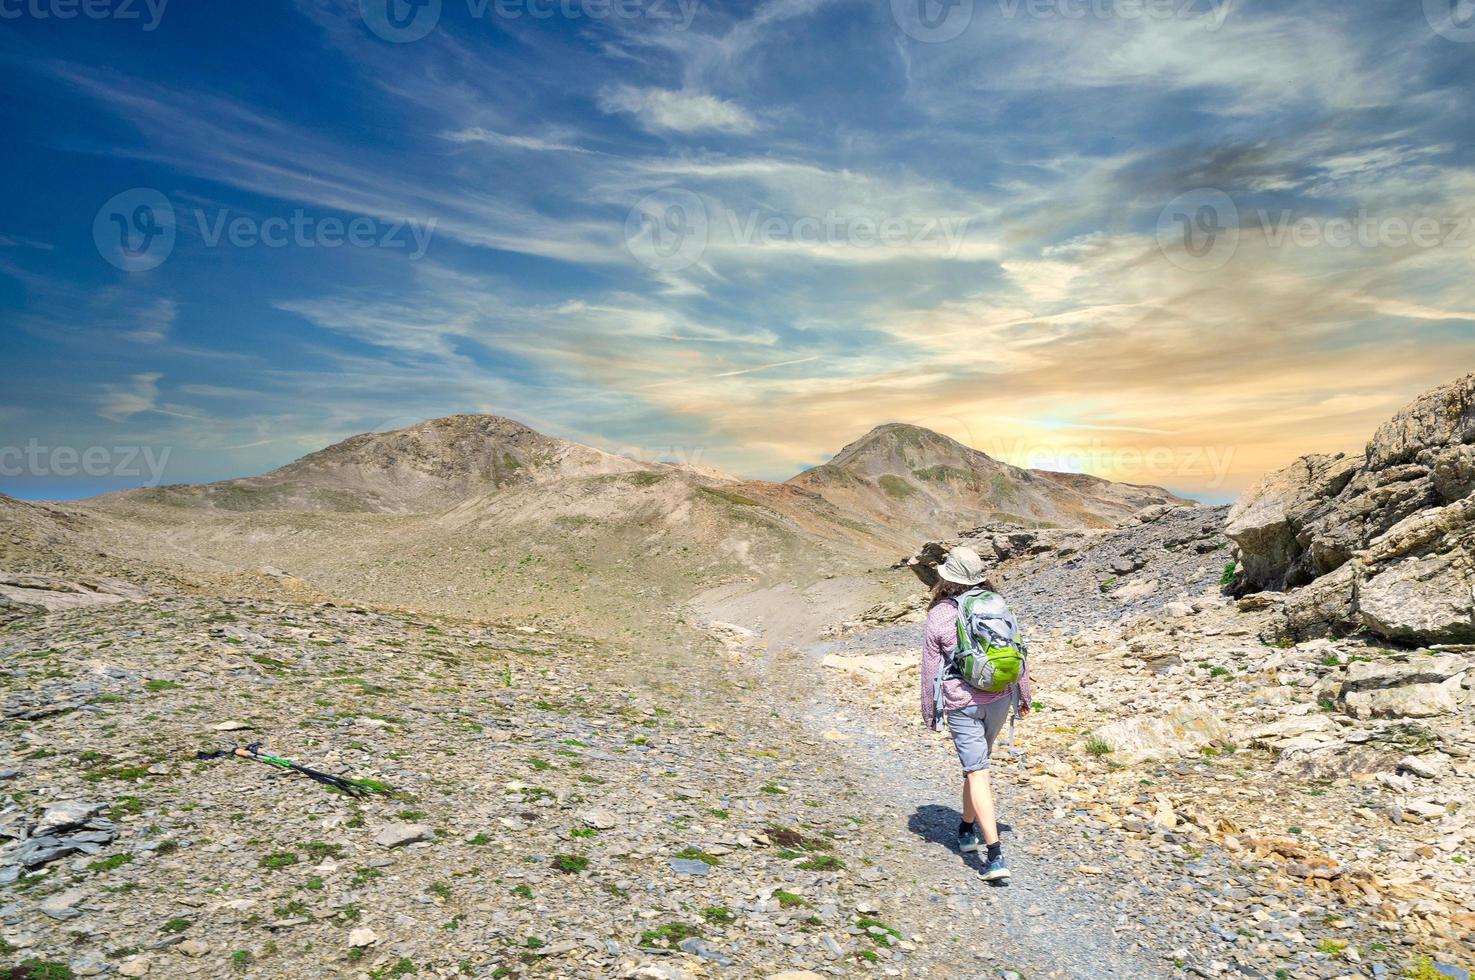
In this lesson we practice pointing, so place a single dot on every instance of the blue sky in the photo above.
(1161, 240)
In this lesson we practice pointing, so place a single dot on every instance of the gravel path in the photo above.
(911, 787)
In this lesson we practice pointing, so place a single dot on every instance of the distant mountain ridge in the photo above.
(905, 472)
(897, 478)
(432, 466)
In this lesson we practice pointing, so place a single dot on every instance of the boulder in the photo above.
(1266, 521)
(1410, 701)
(1396, 671)
(400, 834)
(64, 816)
(1185, 730)
(1384, 541)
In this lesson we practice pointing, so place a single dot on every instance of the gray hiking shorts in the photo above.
(974, 730)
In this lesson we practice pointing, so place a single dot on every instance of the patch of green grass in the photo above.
(886, 934)
(440, 888)
(155, 686)
(570, 864)
(670, 935)
(788, 900)
(523, 891)
(821, 862)
(176, 925)
(130, 774)
(366, 874)
(318, 850)
(1332, 947)
(39, 970)
(1219, 672)
(277, 860)
(895, 487)
(772, 788)
(402, 967)
(1422, 968)
(1097, 746)
(110, 863)
(241, 959)
(1227, 576)
(288, 910)
(719, 915)
(582, 832)
(479, 840)
(697, 854)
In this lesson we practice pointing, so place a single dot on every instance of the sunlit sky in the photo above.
(737, 235)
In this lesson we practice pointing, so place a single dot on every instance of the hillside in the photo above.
(904, 474)
(478, 515)
(647, 722)
(422, 468)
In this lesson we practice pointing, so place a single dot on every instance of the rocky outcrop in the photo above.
(1383, 541)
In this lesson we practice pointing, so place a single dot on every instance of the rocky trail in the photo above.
(722, 772)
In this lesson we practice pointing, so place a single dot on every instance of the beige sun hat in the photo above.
(963, 567)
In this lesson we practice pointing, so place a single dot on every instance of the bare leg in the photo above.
(978, 804)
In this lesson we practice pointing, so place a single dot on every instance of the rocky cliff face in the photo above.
(1382, 541)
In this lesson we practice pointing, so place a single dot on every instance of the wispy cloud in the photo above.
(678, 111)
(139, 393)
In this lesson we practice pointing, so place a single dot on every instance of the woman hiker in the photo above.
(974, 716)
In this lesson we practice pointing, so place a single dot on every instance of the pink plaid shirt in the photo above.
(939, 641)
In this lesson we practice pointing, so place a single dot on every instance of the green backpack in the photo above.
(991, 653)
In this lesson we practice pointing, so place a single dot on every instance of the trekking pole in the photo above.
(353, 787)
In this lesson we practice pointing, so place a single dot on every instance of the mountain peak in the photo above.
(903, 441)
(899, 472)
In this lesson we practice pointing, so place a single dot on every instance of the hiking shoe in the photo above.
(968, 841)
(997, 870)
